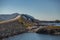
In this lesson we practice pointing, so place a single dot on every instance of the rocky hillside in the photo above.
(11, 27)
(14, 24)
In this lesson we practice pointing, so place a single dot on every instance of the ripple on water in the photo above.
(33, 36)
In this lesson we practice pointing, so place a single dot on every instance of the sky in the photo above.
(40, 9)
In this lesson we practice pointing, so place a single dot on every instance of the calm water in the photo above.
(34, 36)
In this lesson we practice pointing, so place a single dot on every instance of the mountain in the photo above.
(7, 16)
(11, 16)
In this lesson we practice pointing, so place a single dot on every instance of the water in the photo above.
(53, 24)
(34, 36)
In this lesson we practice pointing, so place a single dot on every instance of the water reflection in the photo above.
(34, 36)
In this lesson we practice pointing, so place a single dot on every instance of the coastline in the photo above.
(2, 37)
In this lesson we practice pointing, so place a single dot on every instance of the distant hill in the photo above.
(7, 16)
(11, 16)
(25, 17)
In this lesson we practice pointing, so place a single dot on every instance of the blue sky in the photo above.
(40, 9)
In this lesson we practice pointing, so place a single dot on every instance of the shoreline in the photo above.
(2, 37)
(26, 32)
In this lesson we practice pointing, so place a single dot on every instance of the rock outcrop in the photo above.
(11, 27)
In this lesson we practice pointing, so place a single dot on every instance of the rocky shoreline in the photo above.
(52, 32)
(1, 37)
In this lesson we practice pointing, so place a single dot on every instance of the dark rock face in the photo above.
(28, 17)
(45, 31)
(42, 31)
